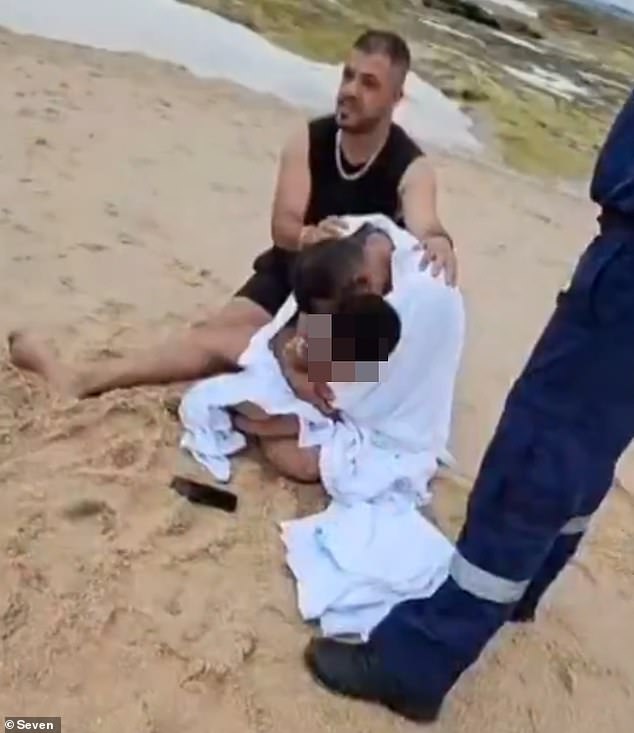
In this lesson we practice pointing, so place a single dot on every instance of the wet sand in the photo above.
(133, 197)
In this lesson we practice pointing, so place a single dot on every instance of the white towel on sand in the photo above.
(370, 548)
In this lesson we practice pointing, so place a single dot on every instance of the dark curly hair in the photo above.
(365, 328)
(326, 271)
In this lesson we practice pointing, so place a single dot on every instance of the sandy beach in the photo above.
(132, 197)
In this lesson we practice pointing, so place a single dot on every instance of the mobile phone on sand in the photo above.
(204, 494)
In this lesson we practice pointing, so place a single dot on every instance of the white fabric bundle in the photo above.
(370, 548)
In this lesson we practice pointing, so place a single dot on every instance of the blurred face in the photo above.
(370, 89)
(332, 359)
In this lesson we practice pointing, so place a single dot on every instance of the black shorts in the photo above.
(271, 282)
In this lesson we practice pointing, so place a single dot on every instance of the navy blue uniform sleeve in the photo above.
(613, 181)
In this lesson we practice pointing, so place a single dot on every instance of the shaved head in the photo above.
(372, 81)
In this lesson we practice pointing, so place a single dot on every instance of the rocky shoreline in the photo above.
(541, 89)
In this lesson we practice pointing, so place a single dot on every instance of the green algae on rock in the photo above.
(536, 131)
(319, 29)
(542, 135)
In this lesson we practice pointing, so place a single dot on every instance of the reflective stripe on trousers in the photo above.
(484, 585)
(576, 525)
(489, 587)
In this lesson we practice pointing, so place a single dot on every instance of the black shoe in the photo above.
(354, 670)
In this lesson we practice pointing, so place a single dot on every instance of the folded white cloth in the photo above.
(354, 563)
(370, 548)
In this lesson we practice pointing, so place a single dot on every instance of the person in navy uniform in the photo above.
(551, 461)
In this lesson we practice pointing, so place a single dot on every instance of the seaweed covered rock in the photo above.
(465, 9)
(571, 19)
(521, 28)
(474, 13)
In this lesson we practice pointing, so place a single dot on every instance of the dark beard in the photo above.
(362, 127)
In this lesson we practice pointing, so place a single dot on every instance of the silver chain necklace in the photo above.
(339, 161)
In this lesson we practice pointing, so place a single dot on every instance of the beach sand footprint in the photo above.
(89, 508)
(129, 240)
(14, 616)
(93, 247)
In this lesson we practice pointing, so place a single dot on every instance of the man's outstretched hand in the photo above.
(438, 252)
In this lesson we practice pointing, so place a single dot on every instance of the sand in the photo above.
(133, 196)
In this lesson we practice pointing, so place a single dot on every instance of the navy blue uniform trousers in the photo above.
(568, 418)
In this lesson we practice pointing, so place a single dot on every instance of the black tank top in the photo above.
(375, 192)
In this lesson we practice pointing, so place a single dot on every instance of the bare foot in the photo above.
(29, 352)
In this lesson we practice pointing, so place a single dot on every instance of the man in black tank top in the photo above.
(356, 161)
(339, 188)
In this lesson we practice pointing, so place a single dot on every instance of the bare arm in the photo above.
(319, 395)
(280, 346)
(419, 197)
(276, 426)
(292, 192)
(279, 343)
